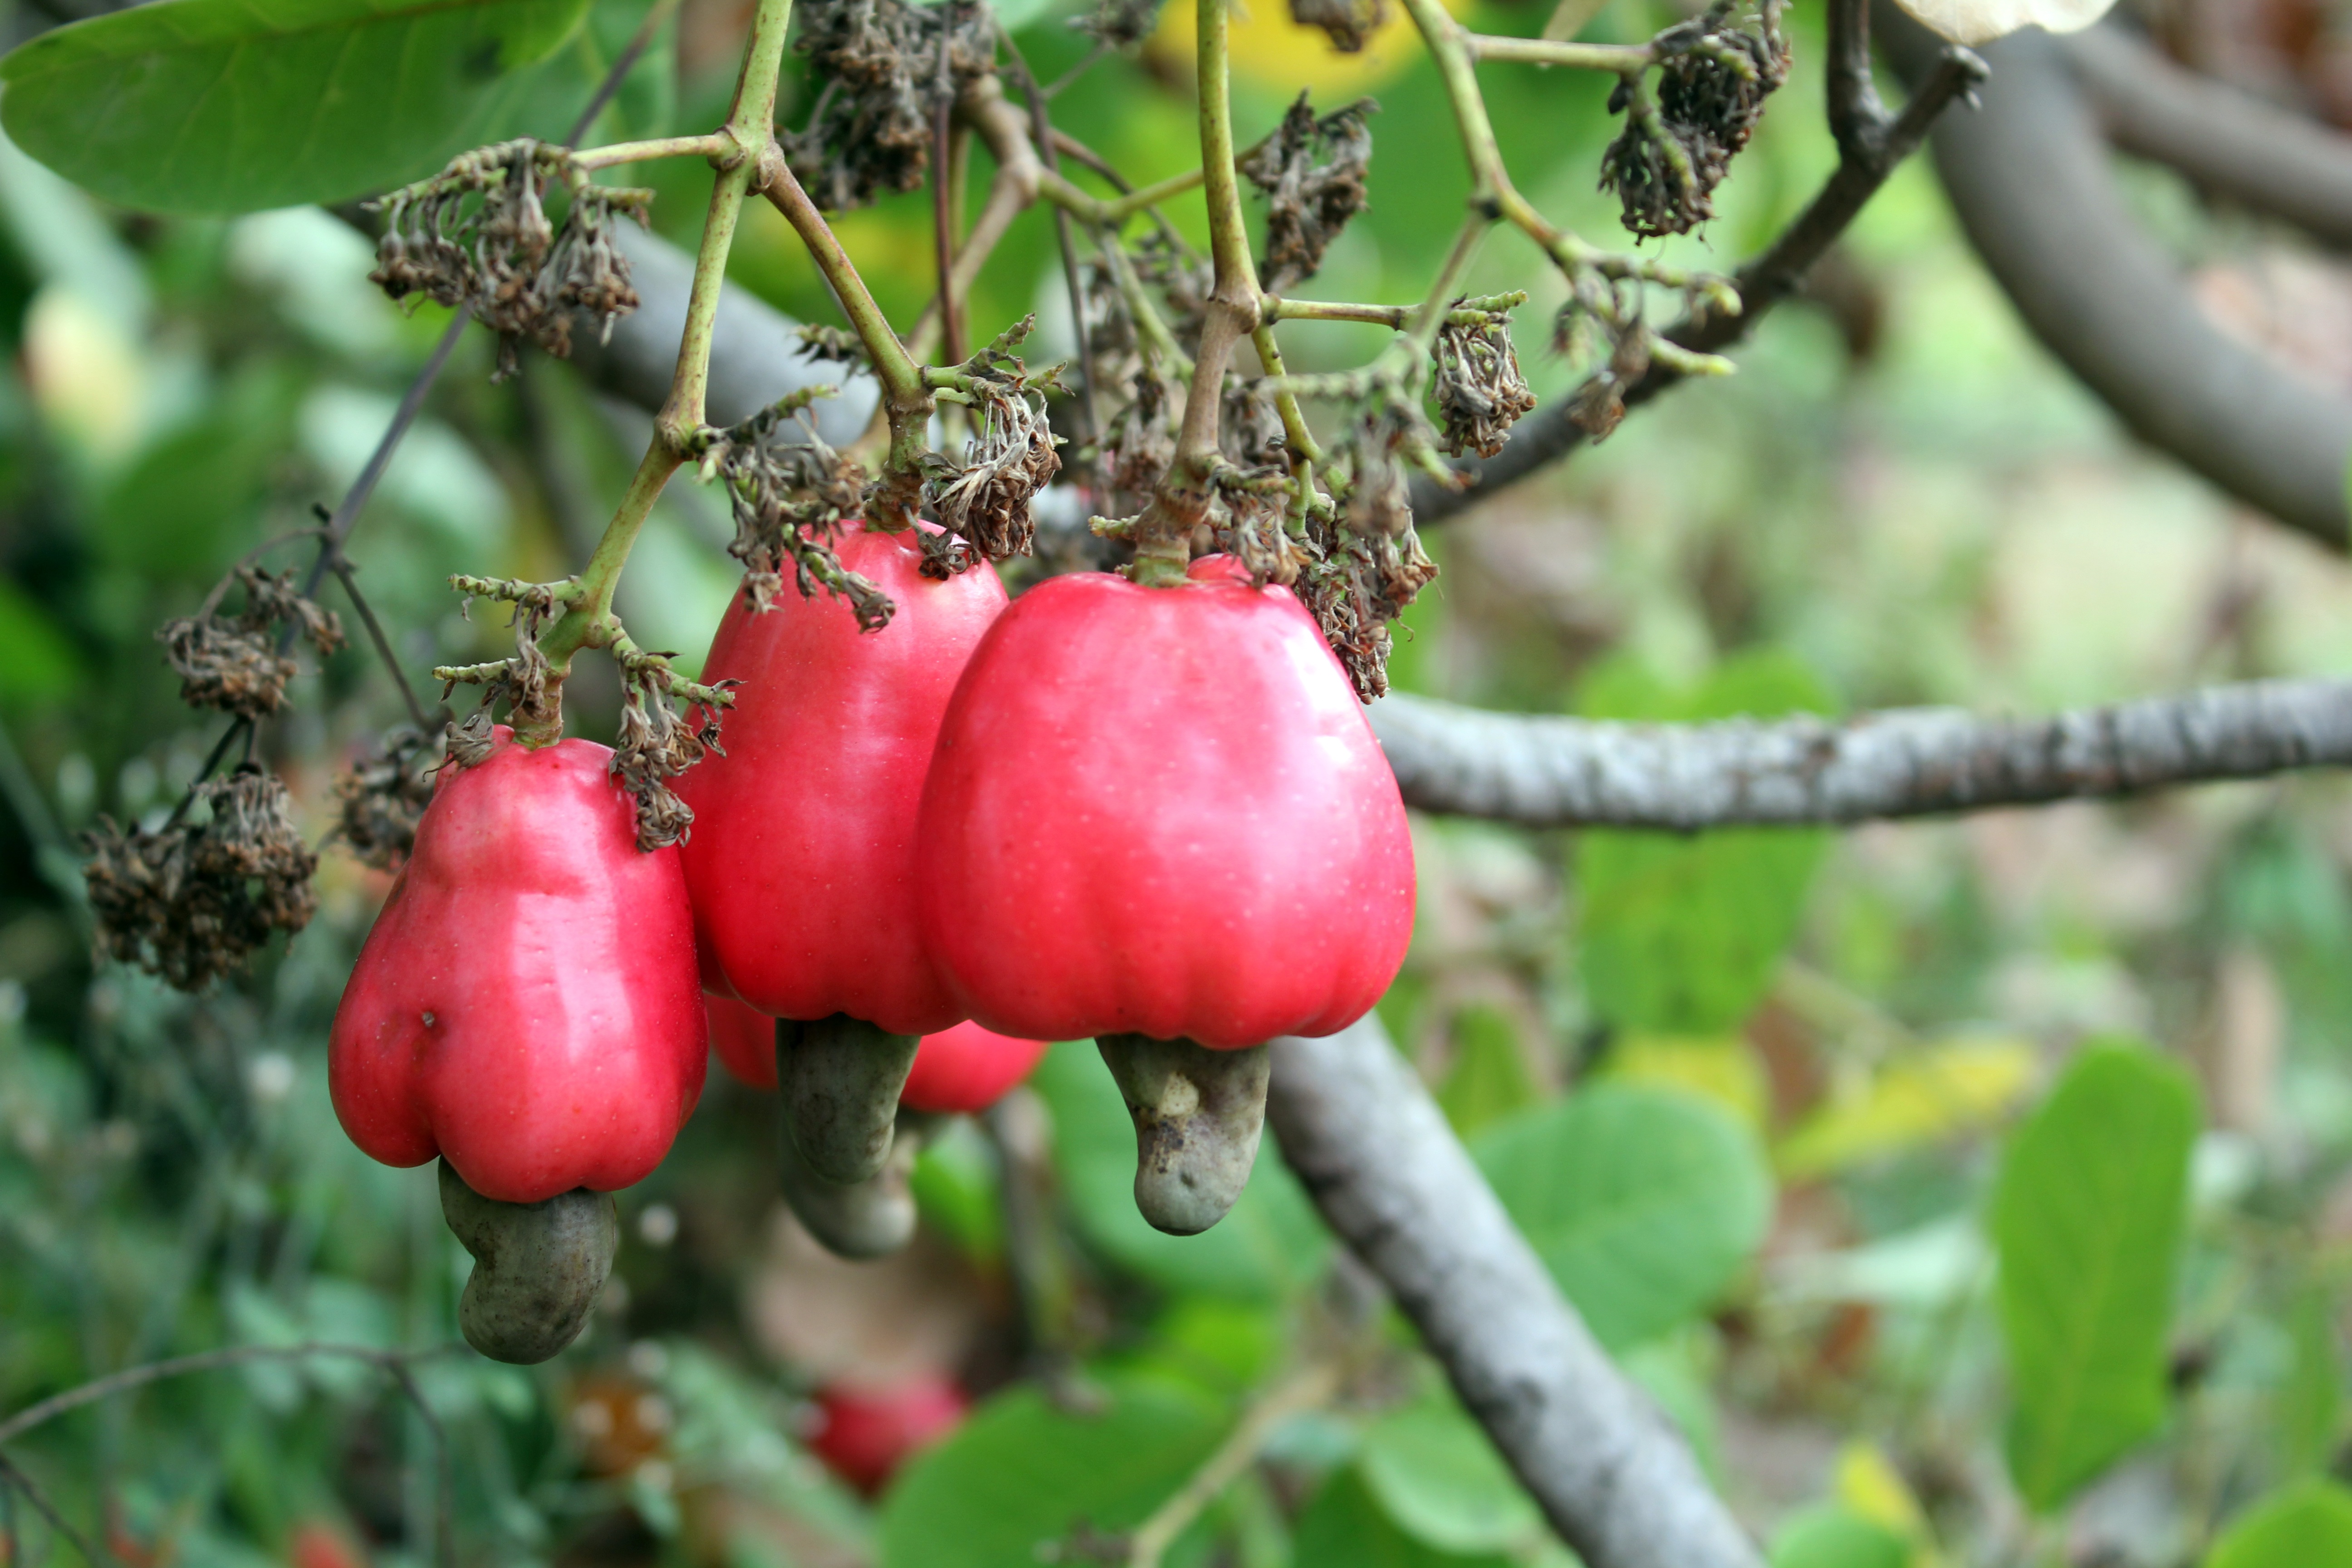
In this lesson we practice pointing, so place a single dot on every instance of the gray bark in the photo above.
(1375, 1152)
(1543, 772)
(2031, 181)
(2228, 142)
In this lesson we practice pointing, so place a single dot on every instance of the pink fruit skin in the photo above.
(801, 861)
(962, 1070)
(1162, 811)
(966, 1069)
(527, 1005)
(865, 1435)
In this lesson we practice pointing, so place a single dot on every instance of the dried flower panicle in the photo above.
(985, 499)
(821, 345)
(1312, 172)
(790, 492)
(1349, 23)
(878, 62)
(194, 901)
(477, 237)
(1369, 561)
(1119, 24)
(1676, 146)
(1615, 335)
(1480, 391)
(232, 663)
(384, 797)
(656, 743)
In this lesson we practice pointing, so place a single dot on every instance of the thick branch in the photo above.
(1375, 1153)
(2032, 184)
(2228, 142)
(1871, 146)
(1545, 771)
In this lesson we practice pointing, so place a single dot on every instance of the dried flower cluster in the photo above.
(985, 500)
(526, 683)
(1349, 23)
(655, 744)
(232, 663)
(790, 492)
(384, 797)
(883, 76)
(1312, 172)
(1479, 390)
(1119, 24)
(1714, 77)
(478, 236)
(191, 902)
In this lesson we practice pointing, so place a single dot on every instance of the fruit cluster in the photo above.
(1153, 815)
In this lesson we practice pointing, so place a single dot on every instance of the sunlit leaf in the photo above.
(220, 106)
(1021, 1476)
(1680, 935)
(1643, 1202)
(1828, 1535)
(2087, 1219)
(2308, 1525)
(1346, 1526)
(1436, 1475)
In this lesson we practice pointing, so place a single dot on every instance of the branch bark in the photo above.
(2032, 182)
(2229, 144)
(1544, 772)
(1375, 1153)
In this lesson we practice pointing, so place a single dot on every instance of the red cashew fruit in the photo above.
(864, 1435)
(1161, 811)
(802, 862)
(527, 1005)
(966, 1069)
(962, 1070)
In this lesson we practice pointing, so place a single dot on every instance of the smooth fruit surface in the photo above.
(864, 1435)
(800, 864)
(961, 1071)
(1161, 811)
(525, 1005)
(966, 1069)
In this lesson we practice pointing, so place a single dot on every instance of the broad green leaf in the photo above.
(1270, 1245)
(1346, 1526)
(1021, 1476)
(1828, 1535)
(2307, 1525)
(1722, 1069)
(1682, 934)
(1489, 1077)
(2086, 1219)
(222, 106)
(1643, 1202)
(1438, 1478)
(2310, 1407)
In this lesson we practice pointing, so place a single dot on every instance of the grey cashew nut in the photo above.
(868, 1219)
(1198, 1117)
(840, 1078)
(538, 1268)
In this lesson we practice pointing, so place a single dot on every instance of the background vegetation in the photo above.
(1969, 1192)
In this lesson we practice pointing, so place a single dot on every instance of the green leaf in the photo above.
(1345, 1527)
(1682, 934)
(1489, 1077)
(2307, 1525)
(1022, 1475)
(1270, 1246)
(222, 106)
(1437, 1476)
(1644, 1203)
(2086, 1219)
(2310, 1407)
(1828, 1536)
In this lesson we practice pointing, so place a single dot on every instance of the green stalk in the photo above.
(587, 621)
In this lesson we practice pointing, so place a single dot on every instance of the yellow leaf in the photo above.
(1272, 51)
(1721, 1068)
(1921, 1097)
(1868, 1485)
